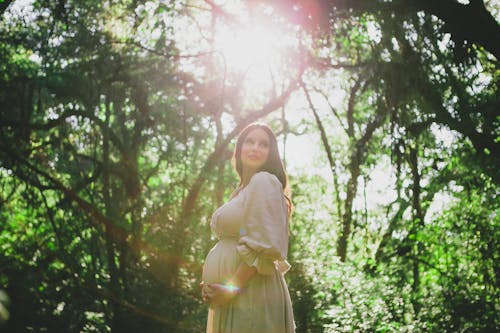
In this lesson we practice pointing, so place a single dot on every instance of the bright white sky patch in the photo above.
(245, 47)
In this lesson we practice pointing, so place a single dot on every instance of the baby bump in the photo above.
(221, 262)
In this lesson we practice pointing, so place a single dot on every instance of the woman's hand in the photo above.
(218, 294)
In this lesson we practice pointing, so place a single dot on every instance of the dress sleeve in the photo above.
(264, 231)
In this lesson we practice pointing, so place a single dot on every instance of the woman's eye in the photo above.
(264, 144)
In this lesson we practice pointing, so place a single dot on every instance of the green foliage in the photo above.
(463, 252)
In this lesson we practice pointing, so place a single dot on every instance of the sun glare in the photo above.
(255, 50)
(244, 44)
(246, 47)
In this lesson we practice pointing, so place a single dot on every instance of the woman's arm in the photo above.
(243, 274)
(220, 294)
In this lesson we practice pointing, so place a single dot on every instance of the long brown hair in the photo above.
(273, 165)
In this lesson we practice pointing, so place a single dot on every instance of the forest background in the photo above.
(117, 122)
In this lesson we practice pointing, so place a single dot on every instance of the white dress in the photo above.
(252, 227)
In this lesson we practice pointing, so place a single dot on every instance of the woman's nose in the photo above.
(255, 147)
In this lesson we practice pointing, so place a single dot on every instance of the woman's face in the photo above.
(255, 149)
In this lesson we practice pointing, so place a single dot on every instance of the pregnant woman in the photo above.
(243, 274)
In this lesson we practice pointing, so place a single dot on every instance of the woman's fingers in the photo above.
(214, 293)
(217, 294)
(214, 286)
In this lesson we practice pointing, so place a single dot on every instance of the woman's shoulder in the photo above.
(264, 178)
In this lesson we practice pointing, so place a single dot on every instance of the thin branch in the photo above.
(326, 64)
(326, 146)
(350, 108)
(333, 109)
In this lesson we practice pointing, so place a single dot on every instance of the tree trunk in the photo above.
(352, 186)
(114, 280)
(358, 157)
(418, 223)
